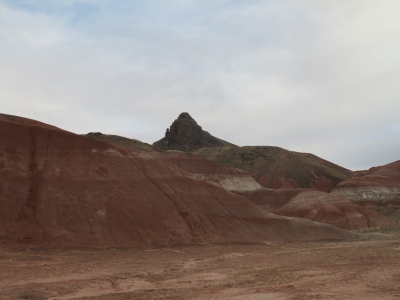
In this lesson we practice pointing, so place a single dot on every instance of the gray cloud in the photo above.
(319, 77)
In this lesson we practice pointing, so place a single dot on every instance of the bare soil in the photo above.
(313, 270)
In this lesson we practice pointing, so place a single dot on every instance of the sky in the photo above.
(313, 76)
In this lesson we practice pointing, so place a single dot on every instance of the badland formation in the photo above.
(60, 188)
(100, 194)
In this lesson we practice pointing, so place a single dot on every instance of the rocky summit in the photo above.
(185, 134)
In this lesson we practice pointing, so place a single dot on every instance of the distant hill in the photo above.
(274, 167)
(271, 167)
(186, 135)
(379, 186)
(319, 207)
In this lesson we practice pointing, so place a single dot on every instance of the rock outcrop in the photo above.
(62, 189)
(186, 135)
(379, 186)
(277, 168)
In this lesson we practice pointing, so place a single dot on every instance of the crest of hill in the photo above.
(186, 135)
(25, 122)
(276, 168)
(123, 142)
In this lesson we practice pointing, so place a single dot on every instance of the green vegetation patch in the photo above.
(393, 231)
(390, 211)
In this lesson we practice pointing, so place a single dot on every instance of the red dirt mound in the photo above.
(319, 207)
(379, 186)
(58, 188)
(325, 208)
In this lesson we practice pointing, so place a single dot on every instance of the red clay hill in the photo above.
(319, 207)
(59, 188)
(379, 186)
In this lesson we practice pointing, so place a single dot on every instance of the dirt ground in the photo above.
(313, 270)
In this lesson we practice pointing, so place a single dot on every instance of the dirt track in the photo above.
(317, 270)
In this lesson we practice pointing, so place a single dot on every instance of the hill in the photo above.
(319, 207)
(63, 189)
(276, 168)
(378, 186)
(271, 167)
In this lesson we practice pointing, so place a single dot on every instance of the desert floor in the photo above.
(313, 270)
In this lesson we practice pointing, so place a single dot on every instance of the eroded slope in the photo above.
(379, 186)
(319, 207)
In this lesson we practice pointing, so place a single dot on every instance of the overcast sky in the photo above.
(310, 76)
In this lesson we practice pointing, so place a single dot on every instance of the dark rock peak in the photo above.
(185, 115)
(185, 134)
(185, 118)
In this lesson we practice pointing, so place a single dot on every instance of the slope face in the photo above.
(123, 142)
(227, 177)
(377, 186)
(319, 207)
(58, 188)
(186, 135)
(277, 168)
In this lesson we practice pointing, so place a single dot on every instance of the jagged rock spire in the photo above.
(185, 134)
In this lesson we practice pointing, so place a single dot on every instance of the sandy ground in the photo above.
(314, 270)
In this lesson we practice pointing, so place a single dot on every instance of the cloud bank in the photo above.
(309, 76)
